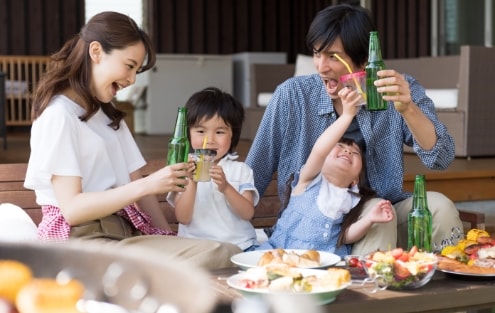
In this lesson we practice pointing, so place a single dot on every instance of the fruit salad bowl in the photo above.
(401, 270)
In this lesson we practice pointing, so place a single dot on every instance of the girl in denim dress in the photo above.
(323, 212)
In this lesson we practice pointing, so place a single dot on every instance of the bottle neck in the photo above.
(181, 124)
(419, 195)
(374, 50)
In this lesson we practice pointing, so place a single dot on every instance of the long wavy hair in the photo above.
(365, 192)
(70, 67)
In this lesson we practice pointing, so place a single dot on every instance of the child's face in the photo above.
(219, 135)
(346, 159)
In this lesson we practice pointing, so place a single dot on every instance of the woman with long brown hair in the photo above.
(84, 163)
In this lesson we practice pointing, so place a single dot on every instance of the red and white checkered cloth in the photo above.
(54, 227)
(142, 221)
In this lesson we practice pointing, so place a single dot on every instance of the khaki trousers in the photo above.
(206, 254)
(384, 236)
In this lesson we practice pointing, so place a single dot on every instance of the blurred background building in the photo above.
(408, 28)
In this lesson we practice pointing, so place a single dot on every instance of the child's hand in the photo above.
(382, 212)
(351, 101)
(218, 177)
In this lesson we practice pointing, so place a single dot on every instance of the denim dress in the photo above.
(303, 226)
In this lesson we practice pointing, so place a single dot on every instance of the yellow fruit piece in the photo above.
(13, 276)
(379, 256)
(413, 267)
(452, 251)
(463, 243)
(474, 233)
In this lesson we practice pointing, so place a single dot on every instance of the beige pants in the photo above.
(206, 254)
(384, 236)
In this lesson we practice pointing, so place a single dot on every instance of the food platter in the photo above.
(250, 259)
(470, 276)
(455, 269)
(320, 297)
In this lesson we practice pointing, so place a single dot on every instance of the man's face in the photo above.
(331, 68)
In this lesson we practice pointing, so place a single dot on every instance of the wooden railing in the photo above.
(22, 74)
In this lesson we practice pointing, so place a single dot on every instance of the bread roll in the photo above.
(45, 295)
(13, 276)
(339, 276)
(266, 259)
(308, 259)
(313, 255)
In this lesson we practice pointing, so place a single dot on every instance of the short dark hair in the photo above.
(351, 23)
(212, 101)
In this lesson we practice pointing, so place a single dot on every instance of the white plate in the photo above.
(318, 297)
(250, 259)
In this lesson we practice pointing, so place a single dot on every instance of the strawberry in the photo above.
(248, 283)
(401, 271)
(354, 262)
(413, 251)
(404, 257)
(397, 253)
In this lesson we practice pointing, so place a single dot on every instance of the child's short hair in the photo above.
(211, 101)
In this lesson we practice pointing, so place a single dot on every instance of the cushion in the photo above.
(264, 98)
(16, 224)
(443, 98)
(304, 65)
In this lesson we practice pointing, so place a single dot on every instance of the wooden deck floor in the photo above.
(465, 179)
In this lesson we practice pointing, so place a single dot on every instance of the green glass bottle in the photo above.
(419, 220)
(374, 99)
(178, 145)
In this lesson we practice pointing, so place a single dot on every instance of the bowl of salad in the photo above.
(400, 269)
(317, 286)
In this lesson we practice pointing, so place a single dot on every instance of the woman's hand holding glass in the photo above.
(170, 178)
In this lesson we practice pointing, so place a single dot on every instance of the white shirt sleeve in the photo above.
(62, 144)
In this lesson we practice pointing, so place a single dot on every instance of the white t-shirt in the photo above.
(212, 217)
(62, 144)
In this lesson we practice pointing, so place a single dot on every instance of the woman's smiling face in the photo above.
(114, 71)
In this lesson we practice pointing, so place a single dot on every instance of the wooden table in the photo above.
(442, 294)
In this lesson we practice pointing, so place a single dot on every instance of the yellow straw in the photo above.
(350, 72)
(343, 62)
(199, 164)
(204, 142)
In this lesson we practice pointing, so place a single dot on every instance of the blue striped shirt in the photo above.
(300, 110)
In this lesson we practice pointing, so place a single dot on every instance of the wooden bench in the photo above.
(12, 191)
